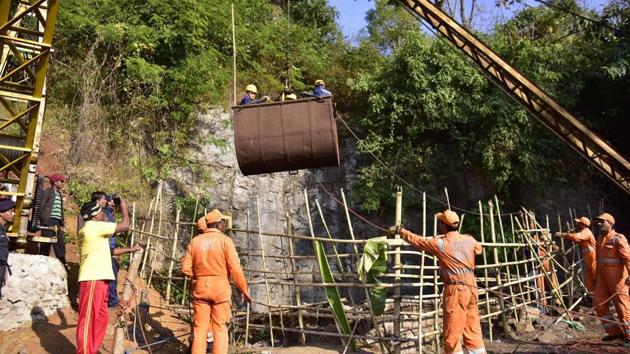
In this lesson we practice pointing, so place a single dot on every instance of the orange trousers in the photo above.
(590, 265)
(461, 318)
(541, 281)
(212, 311)
(611, 286)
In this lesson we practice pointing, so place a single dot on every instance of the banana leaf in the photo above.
(372, 264)
(331, 292)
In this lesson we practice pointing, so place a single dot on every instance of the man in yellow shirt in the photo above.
(95, 273)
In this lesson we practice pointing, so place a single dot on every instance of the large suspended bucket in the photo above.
(285, 136)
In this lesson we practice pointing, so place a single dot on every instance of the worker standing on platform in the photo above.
(611, 281)
(320, 89)
(456, 253)
(52, 216)
(250, 96)
(210, 261)
(7, 212)
(584, 237)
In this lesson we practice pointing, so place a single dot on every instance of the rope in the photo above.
(393, 173)
(349, 209)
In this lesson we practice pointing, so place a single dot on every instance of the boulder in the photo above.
(37, 288)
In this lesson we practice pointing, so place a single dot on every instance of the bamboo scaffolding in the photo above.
(414, 318)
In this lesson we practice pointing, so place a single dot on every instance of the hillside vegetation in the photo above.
(129, 78)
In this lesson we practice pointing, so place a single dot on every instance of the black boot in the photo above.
(612, 337)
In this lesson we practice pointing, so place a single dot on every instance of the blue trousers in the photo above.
(113, 294)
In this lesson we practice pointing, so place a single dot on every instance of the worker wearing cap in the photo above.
(583, 236)
(250, 96)
(611, 281)
(52, 216)
(95, 274)
(456, 253)
(7, 212)
(211, 260)
(320, 89)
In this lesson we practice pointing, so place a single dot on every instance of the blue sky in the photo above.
(352, 13)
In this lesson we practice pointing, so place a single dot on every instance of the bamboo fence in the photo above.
(519, 255)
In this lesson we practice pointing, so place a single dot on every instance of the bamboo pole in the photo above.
(421, 274)
(264, 264)
(485, 270)
(147, 247)
(192, 234)
(128, 290)
(334, 247)
(249, 264)
(298, 295)
(356, 252)
(505, 255)
(436, 301)
(234, 97)
(397, 266)
(310, 225)
(133, 223)
(171, 263)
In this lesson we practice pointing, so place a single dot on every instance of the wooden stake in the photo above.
(421, 274)
(128, 290)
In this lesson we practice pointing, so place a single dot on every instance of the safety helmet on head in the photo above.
(607, 217)
(319, 82)
(583, 220)
(251, 88)
(448, 217)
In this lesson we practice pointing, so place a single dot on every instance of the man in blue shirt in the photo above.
(250, 96)
(320, 89)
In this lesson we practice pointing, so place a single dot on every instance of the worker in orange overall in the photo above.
(611, 280)
(545, 248)
(584, 237)
(456, 253)
(210, 261)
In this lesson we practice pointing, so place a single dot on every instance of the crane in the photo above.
(529, 95)
(26, 33)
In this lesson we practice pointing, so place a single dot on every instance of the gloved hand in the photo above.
(557, 234)
(393, 230)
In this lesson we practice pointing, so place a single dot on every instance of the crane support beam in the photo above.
(26, 32)
(534, 99)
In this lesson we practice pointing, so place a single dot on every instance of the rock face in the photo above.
(37, 288)
(281, 201)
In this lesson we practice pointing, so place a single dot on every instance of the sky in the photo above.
(352, 13)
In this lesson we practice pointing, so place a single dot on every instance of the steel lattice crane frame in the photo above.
(26, 33)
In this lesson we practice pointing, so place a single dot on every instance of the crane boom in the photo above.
(534, 99)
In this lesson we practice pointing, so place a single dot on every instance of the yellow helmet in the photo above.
(319, 82)
(251, 88)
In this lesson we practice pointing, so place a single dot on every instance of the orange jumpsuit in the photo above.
(586, 240)
(613, 263)
(456, 253)
(210, 261)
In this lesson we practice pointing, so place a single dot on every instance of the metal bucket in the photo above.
(285, 136)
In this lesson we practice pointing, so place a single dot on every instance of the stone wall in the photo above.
(37, 288)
